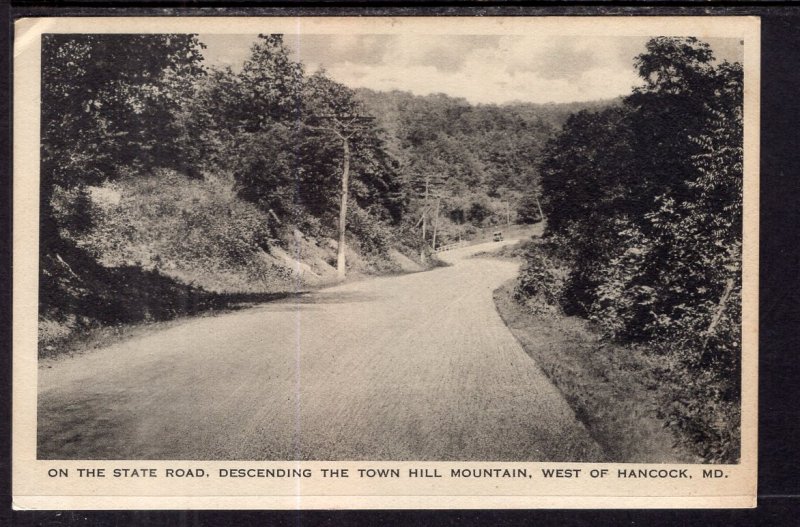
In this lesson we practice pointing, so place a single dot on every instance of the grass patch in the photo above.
(614, 391)
(514, 251)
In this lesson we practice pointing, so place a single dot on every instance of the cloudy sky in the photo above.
(481, 69)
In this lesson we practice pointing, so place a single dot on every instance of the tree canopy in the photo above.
(644, 204)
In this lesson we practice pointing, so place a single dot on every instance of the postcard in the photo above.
(383, 263)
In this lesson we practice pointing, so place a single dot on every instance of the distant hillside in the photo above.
(481, 159)
(556, 114)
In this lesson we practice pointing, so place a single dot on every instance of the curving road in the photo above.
(412, 367)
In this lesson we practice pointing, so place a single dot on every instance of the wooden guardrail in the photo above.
(451, 246)
(486, 235)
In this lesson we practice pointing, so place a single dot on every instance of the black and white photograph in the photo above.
(319, 246)
(365, 247)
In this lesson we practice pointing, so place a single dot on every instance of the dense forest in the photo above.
(170, 187)
(482, 160)
(644, 232)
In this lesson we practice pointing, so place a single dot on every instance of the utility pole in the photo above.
(341, 265)
(344, 127)
(424, 220)
(436, 221)
(508, 216)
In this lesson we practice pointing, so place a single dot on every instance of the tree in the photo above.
(104, 105)
(109, 105)
(604, 172)
(335, 111)
(587, 184)
(272, 84)
(530, 208)
(644, 202)
(297, 146)
(475, 151)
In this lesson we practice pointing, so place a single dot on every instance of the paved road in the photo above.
(412, 367)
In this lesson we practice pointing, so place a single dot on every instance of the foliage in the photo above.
(372, 236)
(528, 210)
(104, 107)
(643, 201)
(266, 125)
(182, 228)
(540, 283)
(477, 159)
(108, 106)
(212, 170)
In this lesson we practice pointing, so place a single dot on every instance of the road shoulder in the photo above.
(612, 391)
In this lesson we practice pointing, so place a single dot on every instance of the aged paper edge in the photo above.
(30, 486)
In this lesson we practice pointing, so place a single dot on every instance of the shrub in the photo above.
(707, 419)
(196, 230)
(644, 207)
(540, 283)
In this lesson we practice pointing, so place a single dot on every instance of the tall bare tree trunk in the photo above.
(340, 258)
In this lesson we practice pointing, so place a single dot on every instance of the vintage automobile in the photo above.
(498, 236)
